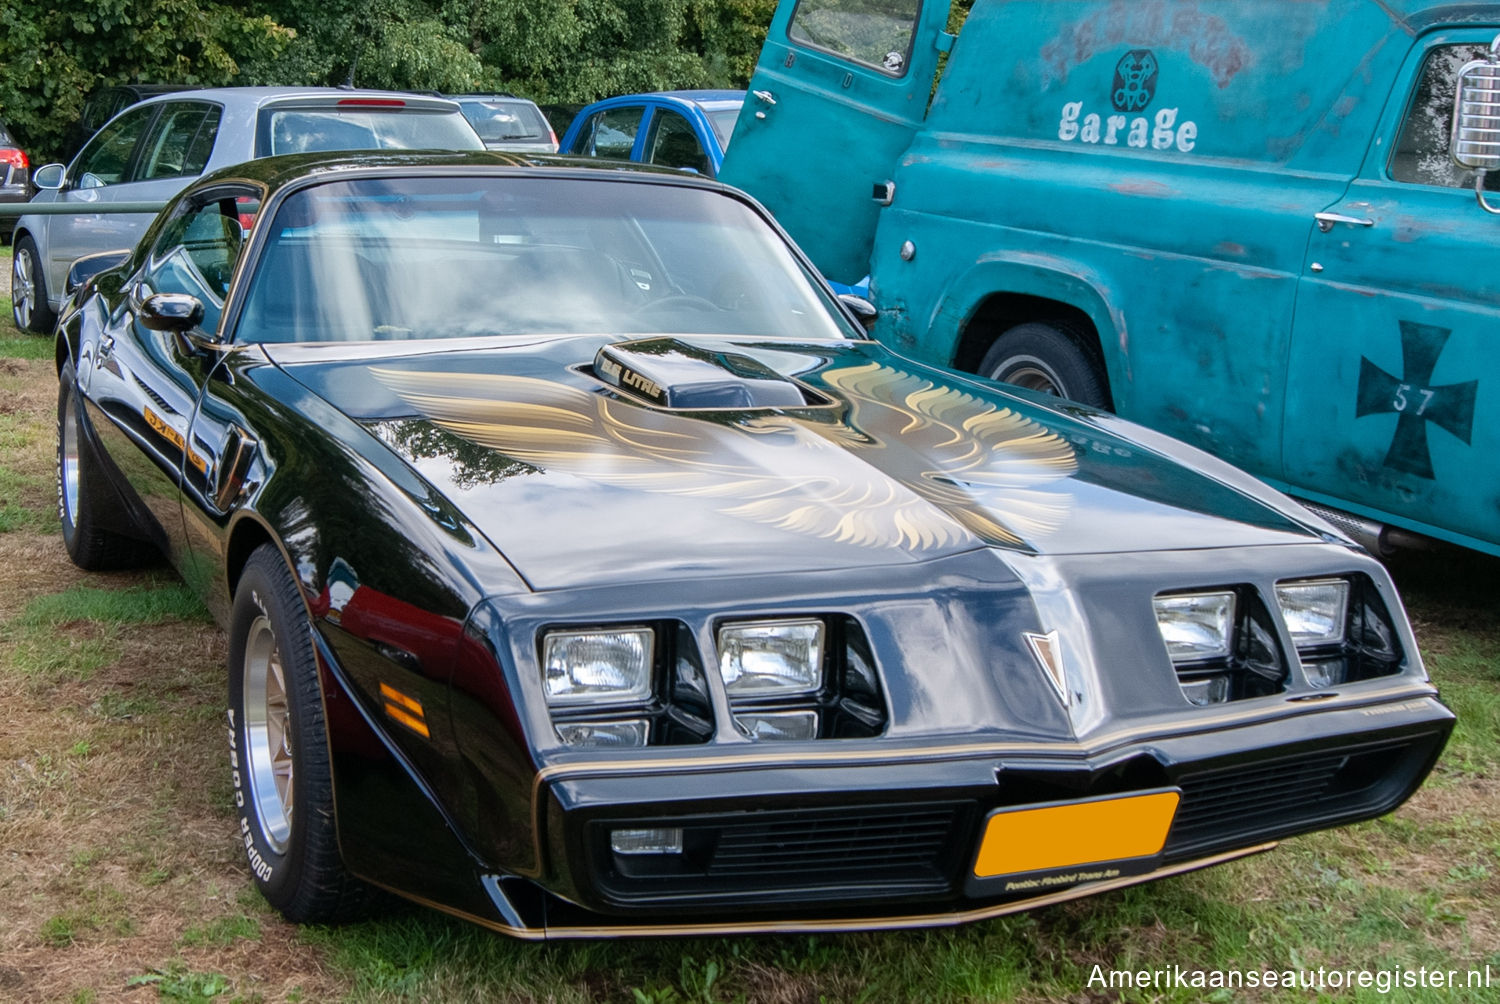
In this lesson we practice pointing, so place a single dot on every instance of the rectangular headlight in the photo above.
(1315, 610)
(1196, 625)
(771, 656)
(598, 665)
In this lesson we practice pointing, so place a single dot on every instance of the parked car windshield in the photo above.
(308, 130)
(444, 257)
(723, 120)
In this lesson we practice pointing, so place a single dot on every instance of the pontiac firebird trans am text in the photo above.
(587, 570)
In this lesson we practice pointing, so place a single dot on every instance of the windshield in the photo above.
(437, 257)
(314, 130)
(723, 120)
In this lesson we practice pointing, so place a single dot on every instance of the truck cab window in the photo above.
(876, 33)
(1421, 154)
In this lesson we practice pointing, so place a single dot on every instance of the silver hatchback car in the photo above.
(152, 150)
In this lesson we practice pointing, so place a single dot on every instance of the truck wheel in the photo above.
(79, 486)
(1042, 356)
(28, 289)
(278, 751)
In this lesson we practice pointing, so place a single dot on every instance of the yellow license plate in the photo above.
(1077, 833)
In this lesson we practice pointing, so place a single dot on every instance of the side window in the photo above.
(1421, 155)
(611, 133)
(179, 143)
(106, 158)
(196, 254)
(876, 33)
(202, 146)
(672, 143)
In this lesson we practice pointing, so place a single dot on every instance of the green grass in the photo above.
(72, 634)
(150, 604)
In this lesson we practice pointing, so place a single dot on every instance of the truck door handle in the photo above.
(766, 97)
(1327, 220)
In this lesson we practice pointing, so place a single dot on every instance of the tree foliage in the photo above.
(53, 55)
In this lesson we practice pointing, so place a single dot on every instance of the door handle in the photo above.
(1327, 220)
(766, 98)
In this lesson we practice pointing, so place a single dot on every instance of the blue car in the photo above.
(688, 130)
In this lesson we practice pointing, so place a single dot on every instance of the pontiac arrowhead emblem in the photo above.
(1048, 652)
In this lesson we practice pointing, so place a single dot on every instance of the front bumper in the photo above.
(873, 839)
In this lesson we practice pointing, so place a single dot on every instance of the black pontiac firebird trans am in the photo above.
(588, 571)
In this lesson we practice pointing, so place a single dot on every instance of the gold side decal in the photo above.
(916, 466)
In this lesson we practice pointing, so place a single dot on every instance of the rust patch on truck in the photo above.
(1204, 37)
(1152, 189)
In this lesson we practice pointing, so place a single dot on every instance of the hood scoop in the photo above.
(676, 375)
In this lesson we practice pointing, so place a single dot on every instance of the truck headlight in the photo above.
(1196, 625)
(771, 657)
(598, 665)
(1316, 611)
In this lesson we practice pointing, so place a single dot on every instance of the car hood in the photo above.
(590, 460)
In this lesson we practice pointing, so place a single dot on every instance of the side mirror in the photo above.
(90, 265)
(49, 176)
(1475, 143)
(861, 308)
(171, 312)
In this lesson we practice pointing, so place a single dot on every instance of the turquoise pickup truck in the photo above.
(1249, 225)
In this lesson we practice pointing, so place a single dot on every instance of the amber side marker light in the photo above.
(404, 709)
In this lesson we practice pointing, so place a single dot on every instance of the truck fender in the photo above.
(1044, 280)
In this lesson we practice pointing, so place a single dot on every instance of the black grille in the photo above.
(1273, 798)
(759, 859)
(909, 844)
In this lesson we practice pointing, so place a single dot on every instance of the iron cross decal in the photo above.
(1415, 399)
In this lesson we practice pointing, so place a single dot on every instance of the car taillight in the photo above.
(372, 103)
(15, 158)
(248, 208)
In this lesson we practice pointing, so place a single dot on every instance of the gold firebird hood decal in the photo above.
(916, 465)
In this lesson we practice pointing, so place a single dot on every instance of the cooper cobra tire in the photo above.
(278, 751)
(28, 289)
(1047, 356)
(80, 488)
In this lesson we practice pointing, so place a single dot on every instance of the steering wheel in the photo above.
(678, 301)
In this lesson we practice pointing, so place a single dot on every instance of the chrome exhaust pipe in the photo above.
(1379, 539)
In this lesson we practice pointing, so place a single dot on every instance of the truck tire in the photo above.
(1047, 356)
